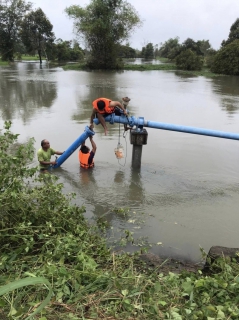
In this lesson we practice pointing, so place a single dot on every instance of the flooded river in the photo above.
(185, 195)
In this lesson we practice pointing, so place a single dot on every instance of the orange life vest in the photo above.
(83, 159)
(107, 108)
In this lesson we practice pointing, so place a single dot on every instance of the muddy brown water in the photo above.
(185, 195)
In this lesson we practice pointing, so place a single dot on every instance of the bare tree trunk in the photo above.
(39, 53)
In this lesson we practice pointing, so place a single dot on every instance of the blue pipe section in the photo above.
(140, 123)
(88, 132)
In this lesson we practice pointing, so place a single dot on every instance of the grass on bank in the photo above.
(4, 63)
(148, 67)
(169, 66)
(166, 65)
(75, 66)
(44, 235)
(31, 58)
(22, 58)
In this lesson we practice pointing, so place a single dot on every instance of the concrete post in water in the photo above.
(138, 138)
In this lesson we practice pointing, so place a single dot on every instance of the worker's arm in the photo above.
(114, 104)
(59, 152)
(92, 116)
(92, 144)
(47, 162)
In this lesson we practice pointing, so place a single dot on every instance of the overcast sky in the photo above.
(162, 19)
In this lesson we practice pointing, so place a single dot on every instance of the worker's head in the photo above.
(45, 144)
(101, 105)
(84, 149)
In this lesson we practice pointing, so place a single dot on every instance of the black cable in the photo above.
(124, 136)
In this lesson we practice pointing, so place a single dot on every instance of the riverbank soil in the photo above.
(166, 265)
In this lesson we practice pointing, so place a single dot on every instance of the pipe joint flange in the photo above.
(131, 121)
(89, 131)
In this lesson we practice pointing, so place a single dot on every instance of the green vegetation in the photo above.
(148, 51)
(36, 32)
(12, 13)
(45, 237)
(3, 63)
(30, 58)
(75, 66)
(205, 72)
(167, 66)
(189, 60)
(133, 67)
(226, 60)
(162, 59)
(169, 49)
(233, 34)
(104, 25)
(126, 52)
(26, 31)
(144, 67)
(190, 55)
(66, 51)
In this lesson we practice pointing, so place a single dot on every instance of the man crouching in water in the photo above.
(86, 157)
(44, 156)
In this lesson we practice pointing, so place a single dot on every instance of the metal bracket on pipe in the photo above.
(131, 121)
(141, 123)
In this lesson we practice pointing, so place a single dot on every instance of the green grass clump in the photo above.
(31, 58)
(75, 66)
(205, 72)
(162, 59)
(4, 63)
(44, 235)
(148, 67)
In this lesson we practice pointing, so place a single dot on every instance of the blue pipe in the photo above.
(140, 122)
(88, 132)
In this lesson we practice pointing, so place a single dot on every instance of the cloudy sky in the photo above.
(162, 19)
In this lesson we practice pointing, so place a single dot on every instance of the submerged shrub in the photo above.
(188, 60)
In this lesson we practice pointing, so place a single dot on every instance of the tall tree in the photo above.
(66, 51)
(36, 32)
(126, 51)
(226, 60)
(170, 48)
(104, 24)
(148, 51)
(203, 47)
(11, 15)
(233, 34)
(190, 44)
